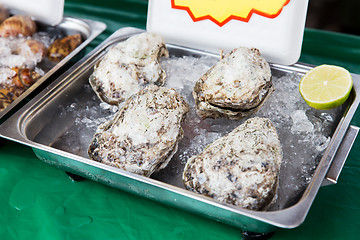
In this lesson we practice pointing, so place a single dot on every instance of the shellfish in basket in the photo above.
(235, 87)
(18, 25)
(62, 47)
(143, 136)
(241, 168)
(129, 67)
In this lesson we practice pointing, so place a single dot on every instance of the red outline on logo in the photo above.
(231, 17)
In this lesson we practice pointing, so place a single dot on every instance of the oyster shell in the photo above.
(241, 168)
(17, 25)
(128, 67)
(235, 87)
(144, 134)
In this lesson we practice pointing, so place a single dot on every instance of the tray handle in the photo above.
(340, 157)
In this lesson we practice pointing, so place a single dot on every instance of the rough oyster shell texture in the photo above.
(144, 134)
(128, 67)
(235, 87)
(241, 168)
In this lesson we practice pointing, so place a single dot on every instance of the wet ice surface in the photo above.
(86, 115)
(304, 132)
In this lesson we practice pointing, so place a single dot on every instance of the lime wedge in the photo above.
(326, 86)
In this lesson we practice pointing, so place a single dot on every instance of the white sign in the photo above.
(47, 11)
(275, 27)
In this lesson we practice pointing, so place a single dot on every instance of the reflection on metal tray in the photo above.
(88, 29)
(45, 122)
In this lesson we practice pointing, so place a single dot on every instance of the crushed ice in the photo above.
(304, 132)
(300, 122)
(15, 52)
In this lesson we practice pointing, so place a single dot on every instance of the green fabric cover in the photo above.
(38, 201)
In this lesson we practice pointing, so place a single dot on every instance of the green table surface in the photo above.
(38, 201)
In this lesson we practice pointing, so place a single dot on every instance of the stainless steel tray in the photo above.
(88, 29)
(43, 124)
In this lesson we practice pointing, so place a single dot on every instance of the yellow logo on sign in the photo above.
(222, 11)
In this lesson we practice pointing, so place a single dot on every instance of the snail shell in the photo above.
(18, 80)
(24, 77)
(36, 47)
(62, 47)
(17, 25)
(8, 95)
(32, 49)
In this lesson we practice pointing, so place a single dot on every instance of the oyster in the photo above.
(143, 135)
(128, 67)
(235, 87)
(17, 25)
(241, 168)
